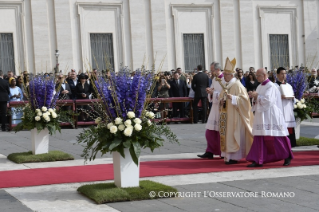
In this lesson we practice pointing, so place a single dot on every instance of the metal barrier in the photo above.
(82, 102)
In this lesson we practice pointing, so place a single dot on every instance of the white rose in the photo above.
(37, 110)
(137, 121)
(295, 106)
(37, 118)
(149, 123)
(302, 100)
(121, 127)
(128, 122)
(130, 114)
(39, 113)
(54, 115)
(118, 121)
(138, 127)
(299, 105)
(128, 131)
(44, 109)
(109, 125)
(50, 110)
(113, 129)
(304, 106)
(130, 126)
(151, 115)
(47, 119)
(45, 116)
(98, 120)
(147, 114)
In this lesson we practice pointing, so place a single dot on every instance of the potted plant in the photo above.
(124, 126)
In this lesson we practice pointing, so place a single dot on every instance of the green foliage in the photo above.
(52, 123)
(28, 157)
(303, 141)
(100, 139)
(108, 192)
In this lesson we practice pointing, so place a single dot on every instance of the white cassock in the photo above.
(288, 108)
(213, 118)
(269, 119)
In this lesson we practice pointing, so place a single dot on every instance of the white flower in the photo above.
(37, 118)
(130, 114)
(47, 119)
(147, 114)
(118, 121)
(302, 100)
(37, 110)
(50, 110)
(45, 116)
(98, 120)
(54, 109)
(138, 127)
(128, 122)
(128, 131)
(151, 115)
(295, 106)
(109, 125)
(130, 126)
(149, 123)
(299, 105)
(44, 109)
(54, 115)
(121, 127)
(297, 100)
(137, 121)
(39, 113)
(304, 106)
(113, 129)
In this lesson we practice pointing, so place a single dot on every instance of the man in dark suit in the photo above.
(199, 84)
(178, 89)
(4, 98)
(72, 81)
(65, 90)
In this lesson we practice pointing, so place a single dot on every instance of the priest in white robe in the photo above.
(287, 104)
(236, 117)
(212, 126)
(270, 132)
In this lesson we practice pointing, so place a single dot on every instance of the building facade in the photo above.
(171, 33)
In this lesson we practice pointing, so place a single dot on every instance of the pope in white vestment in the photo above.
(287, 104)
(269, 129)
(212, 126)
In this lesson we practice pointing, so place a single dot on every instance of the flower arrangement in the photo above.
(40, 111)
(301, 110)
(297, 79)
(122, 118)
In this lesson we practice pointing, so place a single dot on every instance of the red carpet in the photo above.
(47, 176)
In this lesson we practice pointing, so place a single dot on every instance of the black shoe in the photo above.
(221, 157)
(231, 162)
(255, 165)
(287, 162)
(206, 155)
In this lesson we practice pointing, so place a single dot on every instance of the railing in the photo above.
(90, 102)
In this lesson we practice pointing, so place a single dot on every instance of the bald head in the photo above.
(261, 75)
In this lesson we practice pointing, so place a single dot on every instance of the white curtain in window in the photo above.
(102, 51)
(194, 52)
(279, 51)
(6, 52)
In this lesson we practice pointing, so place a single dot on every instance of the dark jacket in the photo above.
(178, 90)
(4, 90)
(199, 84)
(72, 87)
(67, 87)
(250, 86)
(80, 90)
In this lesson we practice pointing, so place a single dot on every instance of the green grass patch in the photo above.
(303, 141)
(108, 192)
(28, 157)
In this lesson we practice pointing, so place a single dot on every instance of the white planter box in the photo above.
(297, 129)
(40, 141)
(126, 172)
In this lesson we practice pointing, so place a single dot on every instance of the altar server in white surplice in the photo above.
(212, 126)
(287, 105)
(270, 132)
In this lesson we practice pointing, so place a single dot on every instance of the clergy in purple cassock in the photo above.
(212, 126)
(270, 132)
